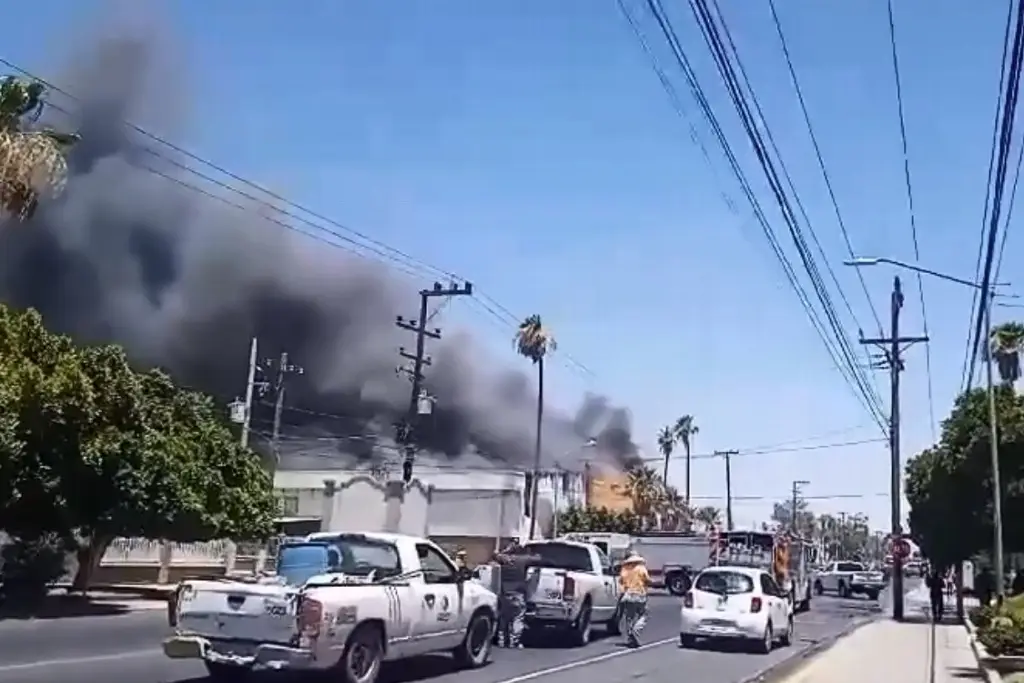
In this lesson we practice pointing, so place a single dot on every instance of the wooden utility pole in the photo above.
(284, 368)
(728, 485)
(892, 349)
(419, 361)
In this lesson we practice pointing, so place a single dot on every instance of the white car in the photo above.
(736, 603)
(341, 603)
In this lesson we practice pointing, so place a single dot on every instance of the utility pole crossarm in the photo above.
(884, 341)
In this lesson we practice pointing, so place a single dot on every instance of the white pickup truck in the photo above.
(340, 602)
(570, 587)
(849, 578)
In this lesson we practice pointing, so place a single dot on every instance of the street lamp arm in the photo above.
(910, 266)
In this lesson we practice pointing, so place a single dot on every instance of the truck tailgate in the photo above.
(546, 585)
(239, 611)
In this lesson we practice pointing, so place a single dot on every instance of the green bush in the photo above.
(29, 568)
(1003, 636)
(981, 616)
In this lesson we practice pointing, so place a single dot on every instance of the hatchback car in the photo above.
(736, 604)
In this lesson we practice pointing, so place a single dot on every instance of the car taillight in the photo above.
(568, 587)
(310, 616)
(688, 600)
(755, 605)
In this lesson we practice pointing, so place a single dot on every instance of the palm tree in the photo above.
(666, 444)
(645, 492)
(534, 341)
(31, 160)
(1005, 346)
(674, 513)
(708, 517)
(685, 429)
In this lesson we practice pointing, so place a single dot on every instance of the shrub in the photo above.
(28, 568)
(981, 616)
(1003, 636)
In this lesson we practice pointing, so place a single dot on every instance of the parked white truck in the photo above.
(343, 602)
(570, 587)
(849, 578)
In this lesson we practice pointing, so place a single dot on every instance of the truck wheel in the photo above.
(844, 592)
(579, 634)
(676, 583)
(364, 651)
(225, 673)
(819, 588)
(805, 605)
(475, 649)
(872, 595)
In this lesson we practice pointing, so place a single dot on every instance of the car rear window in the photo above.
(729, 583)
(850, 567)
(560, 556)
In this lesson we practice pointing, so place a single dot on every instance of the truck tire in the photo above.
(579, 631)
(805, 604)
(220, 672)
(844, 591)
(475, 649)
(676, 583)
(363, 655)
(819, 588)
(872, 594)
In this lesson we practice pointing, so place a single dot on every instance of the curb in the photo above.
(991, 675)
(791, 664)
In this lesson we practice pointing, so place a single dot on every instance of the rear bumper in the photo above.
(241, 654)
(707, 625)
(867, 586)
(549, 613)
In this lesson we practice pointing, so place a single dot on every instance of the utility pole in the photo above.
(419, 402)
(728, 485)
(241, 410)
(795, 521)
(993, 441)
(284, 368)
(892, 348)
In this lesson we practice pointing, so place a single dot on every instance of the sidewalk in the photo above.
(914, 651)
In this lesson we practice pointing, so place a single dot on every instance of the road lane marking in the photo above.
(78, 660)
(586, 662)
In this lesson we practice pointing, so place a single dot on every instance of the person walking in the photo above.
(512, 563)
(634, 580)
(937, 594)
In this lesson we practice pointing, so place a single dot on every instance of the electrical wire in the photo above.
(970, 348)
(350, 239)
(1009, 109)
(682, 61)
(913, 216)
(742, 102)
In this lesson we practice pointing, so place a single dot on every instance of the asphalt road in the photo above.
(124, 647)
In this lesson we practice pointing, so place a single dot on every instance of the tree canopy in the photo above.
(949, 486)
(92, 449)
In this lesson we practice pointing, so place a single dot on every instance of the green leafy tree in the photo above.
(949, 486)
(91, 449)
(666, 444)
(708, 517)
(581, 519)
(32, 159)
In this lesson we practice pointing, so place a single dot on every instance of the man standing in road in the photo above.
(633, 583)
(512, 564)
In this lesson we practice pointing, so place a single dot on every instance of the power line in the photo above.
(707, 112)
(970, 348)
(1009, 110)
(358, 243)
(821, 159)
(913, 216)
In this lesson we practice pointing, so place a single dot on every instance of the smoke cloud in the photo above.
(183, 282)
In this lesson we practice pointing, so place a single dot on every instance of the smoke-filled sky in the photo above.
(184, 282)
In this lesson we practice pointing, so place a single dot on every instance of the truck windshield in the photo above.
(361, 555)
(560, 556)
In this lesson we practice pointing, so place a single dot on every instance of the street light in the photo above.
(997, 503)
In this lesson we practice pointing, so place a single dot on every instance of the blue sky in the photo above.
(529, 146)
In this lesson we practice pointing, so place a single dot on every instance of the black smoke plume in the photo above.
(129, 256)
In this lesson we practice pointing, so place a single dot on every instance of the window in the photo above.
(359, 555)
(724, 583)
(289, 502)
(437, 568)
(849, 567)
(768, 585)
(565, 556)
(606, 564)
